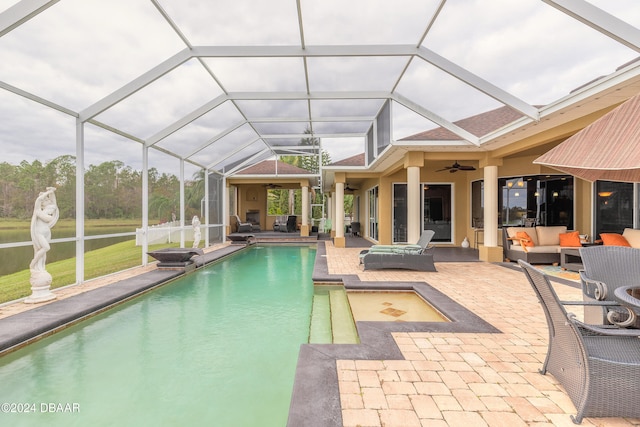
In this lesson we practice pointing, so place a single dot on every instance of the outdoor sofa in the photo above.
(545, 249)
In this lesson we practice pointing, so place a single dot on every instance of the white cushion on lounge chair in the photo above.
(423, 243)
(394, 248)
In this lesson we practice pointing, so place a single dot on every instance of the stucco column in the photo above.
(227, 210)
(332, 213)
(339, 240)
(489, 250)
(413, 204)
(304, 227)
(414, 160)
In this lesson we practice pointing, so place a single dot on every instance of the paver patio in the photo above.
(458, 379)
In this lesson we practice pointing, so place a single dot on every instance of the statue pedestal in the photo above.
(40, 287)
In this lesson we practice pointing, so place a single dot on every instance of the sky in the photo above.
(79, 51)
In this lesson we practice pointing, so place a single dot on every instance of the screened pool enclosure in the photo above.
(195, 87)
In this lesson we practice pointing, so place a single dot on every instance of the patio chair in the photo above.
(292, 223)
(605, 269)
(421, 244)
(327, 225)
(355, 228)
(407, 257)
(242, 227)
(598, 366)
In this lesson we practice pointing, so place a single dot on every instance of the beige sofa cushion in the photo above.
(633, 237)
(549, 236)
(531, 231)
(553, 249)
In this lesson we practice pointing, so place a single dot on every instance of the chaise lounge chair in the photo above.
(598, 366)
(409, 257)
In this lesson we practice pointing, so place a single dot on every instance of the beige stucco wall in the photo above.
(252, 197)
(461, 181)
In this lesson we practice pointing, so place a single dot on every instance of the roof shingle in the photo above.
(479, 125)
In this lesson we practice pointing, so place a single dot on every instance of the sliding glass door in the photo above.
(372, 194)
(437, 208)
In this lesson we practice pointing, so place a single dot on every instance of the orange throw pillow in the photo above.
(525, 239)
(570, 240)
(613, 239)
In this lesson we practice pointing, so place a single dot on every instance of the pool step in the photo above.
(320, 329)
(344, 329)
(331, 319)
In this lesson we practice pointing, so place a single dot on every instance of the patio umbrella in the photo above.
(607, 149)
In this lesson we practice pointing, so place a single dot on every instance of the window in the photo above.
(613, 206)
(284, 201)
(477, 203)
(542, 199)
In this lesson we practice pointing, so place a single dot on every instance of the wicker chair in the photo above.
(242, 227)
(598, 366)
(607, 268)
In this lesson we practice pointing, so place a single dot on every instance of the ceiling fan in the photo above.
(347, 188)
(457, 167)
(272, 186)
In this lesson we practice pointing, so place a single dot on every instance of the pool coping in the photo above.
(23, 328)
(316, 378)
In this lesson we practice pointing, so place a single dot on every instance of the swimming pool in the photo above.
(216, 347)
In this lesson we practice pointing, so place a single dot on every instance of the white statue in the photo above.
(45, 216)
(195, 222)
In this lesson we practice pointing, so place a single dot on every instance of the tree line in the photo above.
(113, 190)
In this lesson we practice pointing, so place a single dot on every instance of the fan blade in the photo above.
(446, 168)
(467, 168)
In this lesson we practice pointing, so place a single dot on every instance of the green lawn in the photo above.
(99, 262)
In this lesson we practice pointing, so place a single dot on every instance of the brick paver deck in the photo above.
(458, 379)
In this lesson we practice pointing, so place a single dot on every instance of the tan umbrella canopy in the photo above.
(607, 149)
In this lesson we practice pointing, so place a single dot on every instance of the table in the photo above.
(570, 259)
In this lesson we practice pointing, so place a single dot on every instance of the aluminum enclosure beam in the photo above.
(600, 20)
(437, 119)
(478, 83)
(21, 12)
(135, 85)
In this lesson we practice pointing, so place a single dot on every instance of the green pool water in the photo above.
(218, 347)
